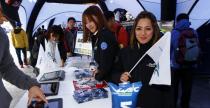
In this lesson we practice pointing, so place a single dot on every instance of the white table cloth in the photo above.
(66, 93)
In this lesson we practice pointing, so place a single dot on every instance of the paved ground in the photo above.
(200, 93)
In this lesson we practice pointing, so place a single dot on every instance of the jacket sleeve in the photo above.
(25, 39)
(11, 73)
(107, 56)
(13, 40)
(174, 43)
(122, 66)
(123, 37)
(62, 50)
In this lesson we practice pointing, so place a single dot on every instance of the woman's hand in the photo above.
(94, 70)
(36, 93)
(125, 77)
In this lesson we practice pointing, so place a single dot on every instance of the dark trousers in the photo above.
(18, 52)
(183, 77)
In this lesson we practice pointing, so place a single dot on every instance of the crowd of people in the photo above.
(115, 52)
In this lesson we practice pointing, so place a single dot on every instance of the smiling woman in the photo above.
(144, 34)
(104, 43)
(144, 31)
(146, 28)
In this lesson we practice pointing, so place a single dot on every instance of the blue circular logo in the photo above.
(104, 45)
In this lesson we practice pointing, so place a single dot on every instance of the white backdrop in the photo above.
(200, 13)
(198, 16)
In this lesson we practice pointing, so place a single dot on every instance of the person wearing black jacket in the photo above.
(144, 34)
(105, 46)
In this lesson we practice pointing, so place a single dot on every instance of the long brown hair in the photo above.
(152, 18)
(90, 13)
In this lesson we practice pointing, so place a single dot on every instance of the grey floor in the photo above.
(200, 93)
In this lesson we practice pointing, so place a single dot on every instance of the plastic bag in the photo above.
(125, 95)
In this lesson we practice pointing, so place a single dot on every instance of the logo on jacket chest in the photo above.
(104, 45)
(152, 65)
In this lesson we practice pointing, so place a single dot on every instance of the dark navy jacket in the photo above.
(105, 48)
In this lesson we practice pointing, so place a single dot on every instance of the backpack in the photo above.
(188, 50)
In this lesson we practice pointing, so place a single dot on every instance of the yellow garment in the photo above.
(20, 40)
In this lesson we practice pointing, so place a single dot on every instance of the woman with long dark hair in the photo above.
(144, 34)
(105, 46)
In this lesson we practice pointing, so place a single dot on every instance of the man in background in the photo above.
(70, 35)
(120, 32)
(182, 68)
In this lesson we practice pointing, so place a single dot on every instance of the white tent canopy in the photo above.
(199, 14)
(61, 11)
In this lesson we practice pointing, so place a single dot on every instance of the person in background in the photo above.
(104, 43)
(70, 35)
(120, 32)
(10, 73)
(145, 33)
(55, 36)
(43, 29)
(20, 43)
(39, 39)
(182, 72)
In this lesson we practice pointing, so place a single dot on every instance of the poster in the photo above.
(81, 47)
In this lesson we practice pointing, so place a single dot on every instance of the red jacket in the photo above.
(121, 35)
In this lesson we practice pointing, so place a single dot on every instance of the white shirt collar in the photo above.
(95, 32)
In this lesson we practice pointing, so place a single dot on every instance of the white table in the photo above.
(66, 93)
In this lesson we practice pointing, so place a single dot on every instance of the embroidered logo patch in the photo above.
(151, 65)
(104, 45)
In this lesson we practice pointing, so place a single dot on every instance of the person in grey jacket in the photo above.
(10, 73)
(70, 35)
